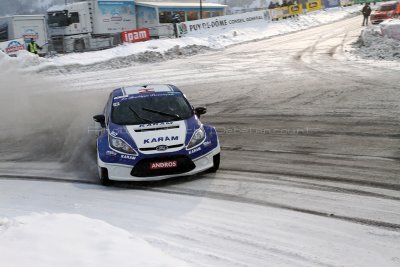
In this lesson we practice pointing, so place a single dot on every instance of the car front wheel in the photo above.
(104, 180)
(216, 159)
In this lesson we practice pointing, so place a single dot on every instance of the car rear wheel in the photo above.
(104, 180)
(216, 159)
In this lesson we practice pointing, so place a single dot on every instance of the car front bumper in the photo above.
(376, 21)
(121, 172)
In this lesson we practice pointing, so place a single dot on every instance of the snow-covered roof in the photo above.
(179, 4)
(39, 16)
(56, 8)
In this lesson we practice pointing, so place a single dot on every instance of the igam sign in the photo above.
(134, 36)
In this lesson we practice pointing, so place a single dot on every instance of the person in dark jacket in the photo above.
(175, 20)
(33, 47)
(271, 5)
(366, 11)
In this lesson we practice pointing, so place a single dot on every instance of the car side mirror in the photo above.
(200, 111)
(100, 119)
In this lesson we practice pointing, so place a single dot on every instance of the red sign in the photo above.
(134, 36)
(163, 165)
(146, 90)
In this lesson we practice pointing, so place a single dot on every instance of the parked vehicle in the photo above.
(385, 11)
(89, 25)
(14, 28)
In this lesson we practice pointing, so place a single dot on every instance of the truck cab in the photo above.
(69, 27)
(89, 25)
(69, 19)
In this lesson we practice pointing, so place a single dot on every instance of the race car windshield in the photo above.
(387, 8)
(154, 108)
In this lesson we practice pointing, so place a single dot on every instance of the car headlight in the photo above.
(121, 146)
(197, 138)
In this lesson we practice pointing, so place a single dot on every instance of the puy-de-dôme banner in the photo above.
(205, 25)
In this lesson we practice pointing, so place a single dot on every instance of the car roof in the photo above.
(142, 89)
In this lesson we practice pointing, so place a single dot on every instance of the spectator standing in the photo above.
(271, 5)
(33, 47)
(175, 20)
(366, 11)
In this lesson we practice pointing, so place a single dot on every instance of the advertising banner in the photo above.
(115, 16)
(204, 25)
(13, 46)
(349, 2)
(30, 34)
(331, 3)
(296, 9)
(280, 12)
(133, 36)
(313, 5)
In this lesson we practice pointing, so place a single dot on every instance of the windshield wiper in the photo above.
(137, 115)
(176, 116)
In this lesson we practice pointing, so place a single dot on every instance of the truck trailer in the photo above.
(89, 25)
(25, 27)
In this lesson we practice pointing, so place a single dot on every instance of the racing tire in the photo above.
(217, 160)
(104, 180)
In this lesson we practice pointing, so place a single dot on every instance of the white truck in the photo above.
(89, 25)
(15, 28)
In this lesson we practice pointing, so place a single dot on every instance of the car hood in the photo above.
(158, 137)
(382, 12)
(147, 137)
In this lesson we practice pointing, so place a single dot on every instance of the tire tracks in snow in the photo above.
(214, 195)
(245, 200)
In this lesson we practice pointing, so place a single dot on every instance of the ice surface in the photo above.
(198, 231)
(49, 240)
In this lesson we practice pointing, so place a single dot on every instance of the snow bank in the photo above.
(24, 59)
(391, 29)
(49, 240)
(373, 45)
(162, 49)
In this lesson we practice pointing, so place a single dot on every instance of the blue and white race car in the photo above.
(151, 132)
